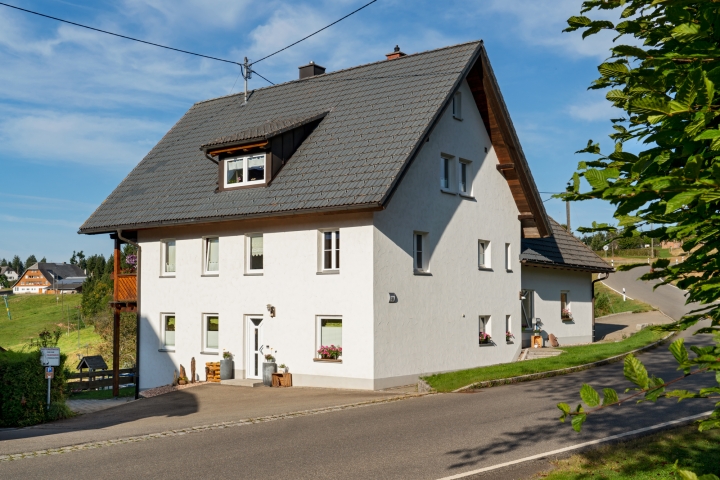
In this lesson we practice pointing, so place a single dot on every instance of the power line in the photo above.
(305, 38)
(123, 36)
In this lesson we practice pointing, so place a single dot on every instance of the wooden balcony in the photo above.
(126, 288)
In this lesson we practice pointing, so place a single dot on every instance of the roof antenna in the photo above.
(247, 74)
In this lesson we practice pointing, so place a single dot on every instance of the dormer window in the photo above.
(245, 170)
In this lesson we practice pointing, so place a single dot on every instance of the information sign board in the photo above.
(50, 357)
(49, 372)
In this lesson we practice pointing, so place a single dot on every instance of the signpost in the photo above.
(7, 307)
(49, 358)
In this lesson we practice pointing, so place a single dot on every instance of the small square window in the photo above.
(168, 257)
(483, 254)
(255, 250)
(457, 106)
(508, 257)
(211, 330)
(212, 255)
(168, 330)
(420, 253)
(331, 250)
(484, 337)
(245, 170)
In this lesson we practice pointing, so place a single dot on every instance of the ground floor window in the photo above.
(565, 312)
(484, 327)
(330, 337)
(168, 330)
(211, 333)
(527, 306)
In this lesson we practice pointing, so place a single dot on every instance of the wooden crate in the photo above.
(282, 379)
(212, 372)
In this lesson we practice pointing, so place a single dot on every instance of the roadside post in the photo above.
(623, 294)
(49, 358)
(7, 307)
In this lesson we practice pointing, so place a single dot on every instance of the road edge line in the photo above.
(578, 446)
(619, 293)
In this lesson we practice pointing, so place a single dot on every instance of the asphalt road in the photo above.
(427, 437)
(668, 298)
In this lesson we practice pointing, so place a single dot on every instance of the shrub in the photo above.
(602, 305)
(23, 390)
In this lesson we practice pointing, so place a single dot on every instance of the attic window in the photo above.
(245, 170)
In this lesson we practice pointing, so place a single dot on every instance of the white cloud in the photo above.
(594, 111)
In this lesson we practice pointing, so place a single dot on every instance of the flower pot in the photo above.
(268, 368)
(226, 369)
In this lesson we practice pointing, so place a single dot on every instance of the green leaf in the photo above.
(629, 51)
(681, 199)
(616, 96)
(635, 372)
(610, 396)
(578, 421)
(678, 350)
(564, 407)
(596, 179)
(576, 182)
(579, 21)
(688, 90)
(709, 134)
(687, 32)
(613, 69)
(649, 105)
(589, 395)
(686, 475)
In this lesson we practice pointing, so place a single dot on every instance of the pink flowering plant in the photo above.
(566, 314)
(484, 338)
(509, 336)
(329, 352)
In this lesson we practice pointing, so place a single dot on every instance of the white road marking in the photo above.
(619, 293)
(575, 447)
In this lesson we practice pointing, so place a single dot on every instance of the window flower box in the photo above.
(330, 352)
(484, 339)
(566, 316)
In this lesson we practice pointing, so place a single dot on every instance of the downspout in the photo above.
(137, 314)
(209, 157)
(607, 275)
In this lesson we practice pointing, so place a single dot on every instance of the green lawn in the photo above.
(102, 394)
(607, 302)
(573, 356)
(33, 313)
(645, 458)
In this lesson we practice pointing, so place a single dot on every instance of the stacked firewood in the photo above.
(212, 372)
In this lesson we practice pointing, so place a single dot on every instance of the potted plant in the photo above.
(509, 337)
(226, 366)
(485, 338)
(566, 315)
(269, 367)
(329, 352)
(283, 368)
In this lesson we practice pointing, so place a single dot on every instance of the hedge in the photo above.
(23, 390)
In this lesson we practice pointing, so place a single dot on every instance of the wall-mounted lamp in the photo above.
(271, 309)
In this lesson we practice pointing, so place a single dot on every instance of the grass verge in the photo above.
(646, 457)
(573, 356)
(101, 394)
(608, 302)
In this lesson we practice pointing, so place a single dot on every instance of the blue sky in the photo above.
(79, 109)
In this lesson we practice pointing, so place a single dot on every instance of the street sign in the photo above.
(606, 248)
(49, 372)
(50, 357)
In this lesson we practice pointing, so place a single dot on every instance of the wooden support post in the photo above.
(116, 322)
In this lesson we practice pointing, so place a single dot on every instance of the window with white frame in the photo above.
(457, 106)
(168, 257)
(484, 337)
(329, 332)
(211, 333)
(255, 253)
(508, 257)
(331, 250)
(245, 170)
(464, 185)
(168, 330)
(508, 328)
(565, 312)
(483, 254)
(211, 253)
(446, 172)
(420, 252)
(527, 306)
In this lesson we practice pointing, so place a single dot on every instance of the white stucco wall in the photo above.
(434, 326)
(547, 284)
(290, 283)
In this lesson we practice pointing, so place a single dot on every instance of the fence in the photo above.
(127, 377)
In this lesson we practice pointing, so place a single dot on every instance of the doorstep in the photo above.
(243, 382)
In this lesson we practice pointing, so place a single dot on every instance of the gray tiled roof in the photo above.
(378, 116)
(59, 270)
(562, 249)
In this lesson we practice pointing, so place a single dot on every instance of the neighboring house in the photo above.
(9, 273)
(239, 212)
(44, 277)
(557, 286)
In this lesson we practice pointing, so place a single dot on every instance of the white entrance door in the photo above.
(254, 348)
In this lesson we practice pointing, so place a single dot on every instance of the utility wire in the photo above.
(125, 36)
(305, 38)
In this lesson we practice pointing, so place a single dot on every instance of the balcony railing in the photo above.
(126, 287)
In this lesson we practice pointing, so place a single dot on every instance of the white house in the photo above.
(9, 273)
(45, 277)
(379, 208)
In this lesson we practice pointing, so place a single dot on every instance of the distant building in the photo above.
(9, 273)
(44, 277)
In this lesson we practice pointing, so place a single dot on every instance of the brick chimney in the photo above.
(310, 70)
(395, 54)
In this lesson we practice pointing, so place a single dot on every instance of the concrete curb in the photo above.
(563, 371)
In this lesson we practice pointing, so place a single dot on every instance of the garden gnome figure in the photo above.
(192, 370)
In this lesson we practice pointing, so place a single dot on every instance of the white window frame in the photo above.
(484, 326)
(248, 254)
(446, 177)
(334, 249)
(206, 259)
(163, 332)
(163, 258)
(508, 324)
(468, 177)
(205, 348)
(508, 257)
(568, 304)
(318, 331)
(530, 301)
(484, 256)
(457, 106)
(424, 253)
(244, 158)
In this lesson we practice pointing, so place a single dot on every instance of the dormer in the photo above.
(253, 157)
